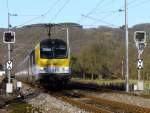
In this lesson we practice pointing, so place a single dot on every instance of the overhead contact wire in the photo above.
(60, 10)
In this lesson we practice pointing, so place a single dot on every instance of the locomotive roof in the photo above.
(52, 42)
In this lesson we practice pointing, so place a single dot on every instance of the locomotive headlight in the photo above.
(41, 68)
(65, 69)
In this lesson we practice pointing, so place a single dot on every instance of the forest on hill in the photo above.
(95, 52)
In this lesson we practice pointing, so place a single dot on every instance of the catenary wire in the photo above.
(60, 10)
(50, 9)
(92, 18)
(37, 16)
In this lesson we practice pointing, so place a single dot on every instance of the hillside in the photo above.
(95, 51)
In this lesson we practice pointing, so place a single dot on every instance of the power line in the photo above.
(60, 10)
(131, 2)
(111, 11)
(51, 7)
(8, 16)
(118, 10)
(89, 17)
(108, 15)
(26, 15)
(37, 17)
(115, 11)
(99, 3)
(97, 6)
(141, 3)
(134, 3)
(7, 6)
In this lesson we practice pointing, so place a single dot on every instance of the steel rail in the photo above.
(85, 106)
(67, 96)
(118, 105)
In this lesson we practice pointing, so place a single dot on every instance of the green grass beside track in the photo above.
(115, 82)
(101, 82)
(19, 107)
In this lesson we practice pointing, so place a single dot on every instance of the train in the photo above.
(48, 62)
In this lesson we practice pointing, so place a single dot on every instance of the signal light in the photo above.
(9, 37)
(140, 36)
(140, 40)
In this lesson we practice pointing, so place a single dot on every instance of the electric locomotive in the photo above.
(48, 61)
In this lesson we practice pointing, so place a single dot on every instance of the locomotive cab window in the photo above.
(53, 49)
(46, 53)
(60, 52)
(53, 52)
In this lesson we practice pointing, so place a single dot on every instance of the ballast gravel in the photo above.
(45, 103)
(134, 100)
(120, 97)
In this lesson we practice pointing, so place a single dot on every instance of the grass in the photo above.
(102, 81)
(118, 83)
(19, 107)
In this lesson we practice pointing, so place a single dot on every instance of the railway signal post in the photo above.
(140, 42)
(9, 38)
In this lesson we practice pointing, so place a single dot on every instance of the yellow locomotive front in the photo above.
(52, 58)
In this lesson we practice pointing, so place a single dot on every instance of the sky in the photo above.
(89, 13)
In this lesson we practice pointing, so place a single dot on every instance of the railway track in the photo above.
(94, 104)
(85, 106)
(66, 97)
(99, 105)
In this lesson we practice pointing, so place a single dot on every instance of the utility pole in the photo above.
(68, 42)
(8, 47)
(126, 44)
(122, 69)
